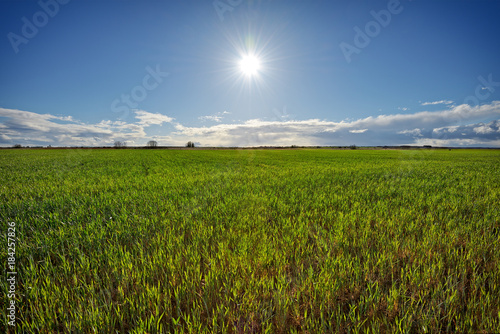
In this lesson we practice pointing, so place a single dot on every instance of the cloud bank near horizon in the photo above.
(461, 125)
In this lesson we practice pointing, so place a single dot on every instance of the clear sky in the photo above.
(89, 73)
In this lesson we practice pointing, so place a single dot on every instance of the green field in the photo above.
(251, 241)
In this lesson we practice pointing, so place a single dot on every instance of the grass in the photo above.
(253, 241)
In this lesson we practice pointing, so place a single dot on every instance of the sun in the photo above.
(250, 65)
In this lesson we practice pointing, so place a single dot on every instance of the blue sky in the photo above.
(89, 73)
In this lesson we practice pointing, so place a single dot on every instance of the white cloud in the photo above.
(384, 129)
(147, 118)
(28, 128)
(437, 102)
(414, 132)
(457, 142)
(449, 129)
(478, 132)
(215, 118)
(484, 129)
(425, 119)
(64, 118)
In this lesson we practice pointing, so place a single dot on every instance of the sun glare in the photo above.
(250, 65)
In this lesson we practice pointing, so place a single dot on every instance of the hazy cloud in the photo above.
(414, 132)
(437, 102)
(215, 118)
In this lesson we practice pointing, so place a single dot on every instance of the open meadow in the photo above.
(252, 241)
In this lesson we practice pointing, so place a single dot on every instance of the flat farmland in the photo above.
(252, 241)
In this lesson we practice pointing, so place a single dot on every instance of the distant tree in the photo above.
(190, 144)
(120, 144)
(353, 147)
(17, 146)
(152, 143)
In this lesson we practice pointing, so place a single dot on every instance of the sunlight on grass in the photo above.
(254, 240)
